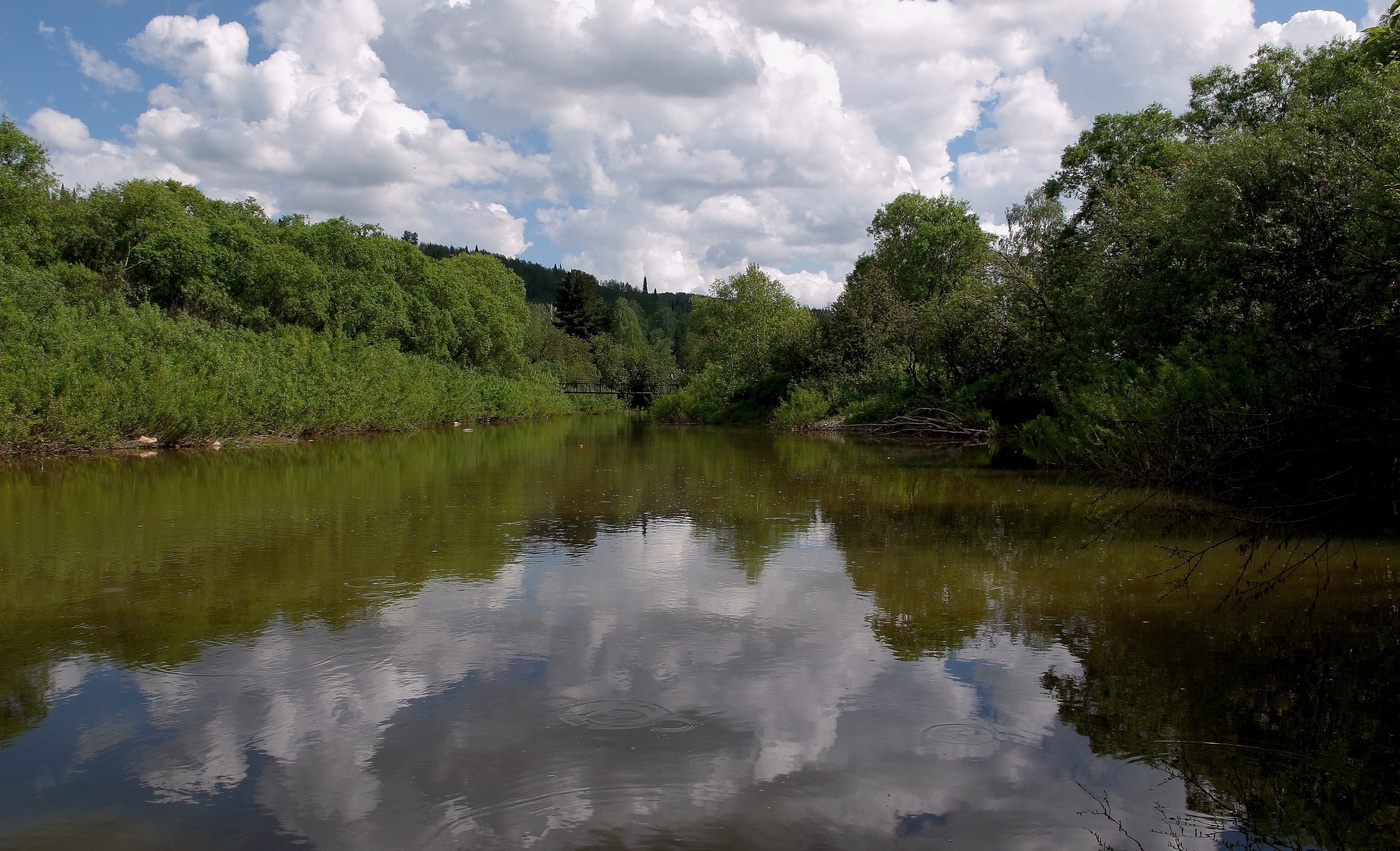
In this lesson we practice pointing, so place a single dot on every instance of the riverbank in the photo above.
(96, 376)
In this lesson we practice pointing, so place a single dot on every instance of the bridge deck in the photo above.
(579, 389)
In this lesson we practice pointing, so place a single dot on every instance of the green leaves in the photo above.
(748, 338)
(482, 308)
(1382, 42)
(1225, 295)
(1117, 151)
(26, 184)
(578, 309)
(168, 311)
(927, 246)
(918, 314)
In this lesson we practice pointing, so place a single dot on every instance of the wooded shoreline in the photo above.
(1207, 301)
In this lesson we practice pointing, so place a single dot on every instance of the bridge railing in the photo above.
(580, 388)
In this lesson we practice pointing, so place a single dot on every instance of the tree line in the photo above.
(147, 308)
(603, 333)
(1205, 299)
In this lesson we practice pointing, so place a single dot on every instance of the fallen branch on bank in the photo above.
(925, 423)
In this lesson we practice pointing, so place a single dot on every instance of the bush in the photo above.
(92, 374)
(803, 408)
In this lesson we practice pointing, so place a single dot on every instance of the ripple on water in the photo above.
(618, 714)
(382, 585)
(959, 741)
(959, 734)
(1181, 754)
(564, 808)
(318, 666)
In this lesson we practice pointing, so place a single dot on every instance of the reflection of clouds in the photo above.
(102, 736)
(315, 700)
(690, 632)
(67, 677)
(442, 721)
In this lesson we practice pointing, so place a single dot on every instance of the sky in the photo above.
(671, 140)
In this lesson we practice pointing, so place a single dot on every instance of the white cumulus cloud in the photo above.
(104, 71)
(83, 161)
(1308, 28)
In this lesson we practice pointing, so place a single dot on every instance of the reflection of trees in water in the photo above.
(151, 563)
(148, 561)
(1297, 692)
(943, 552)
(23, 699)
(1282, 723)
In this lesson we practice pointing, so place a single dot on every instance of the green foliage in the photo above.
(480, 310)
(365, 272)
(1382, 42)
(630, 363)
(1226, 100)
(749, 338)
(748, 324)
(579, 310)
(568, 358)
(625, 328)
(586, 344)
(921, 313)
(804, 407)
(703, 398)
(1117, 152)
(1223, 316)
(149, 308)
(285, 285)
(26, 185)
(1205, 300)
(926, 247)
(92, 374)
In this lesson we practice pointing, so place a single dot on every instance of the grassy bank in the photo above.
(90, 372)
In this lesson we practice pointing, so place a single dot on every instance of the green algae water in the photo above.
(593, 633)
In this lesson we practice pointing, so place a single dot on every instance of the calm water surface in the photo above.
(594, 634)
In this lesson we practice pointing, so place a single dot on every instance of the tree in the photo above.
(1235, 309)
(578, 309)
(747, 324)
(626, 327)
(481, 307)
(868, 336)
(1382, 42)
(288, 285)
(165, 243)
(746, 342)
(358, 262)
(26, 185)
(1114, 152)
(927, 246)
(899, 303)
(566, 357)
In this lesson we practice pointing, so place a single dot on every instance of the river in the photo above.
(594, 633)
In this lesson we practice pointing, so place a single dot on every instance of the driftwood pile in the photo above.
(925, 424)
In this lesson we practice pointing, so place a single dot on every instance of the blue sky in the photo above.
(672, 139)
